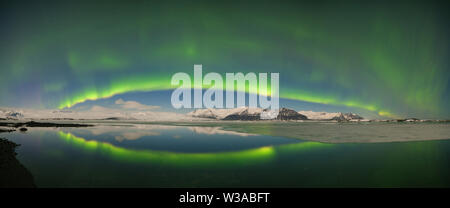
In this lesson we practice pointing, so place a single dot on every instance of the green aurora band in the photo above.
(388, 58)
(162, 83)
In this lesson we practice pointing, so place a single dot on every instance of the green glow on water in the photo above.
(245, 157)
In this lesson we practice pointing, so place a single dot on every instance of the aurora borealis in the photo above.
(387, 57)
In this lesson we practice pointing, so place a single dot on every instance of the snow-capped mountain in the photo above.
(337, 116)
(246, 113)
(223, 113)
(95, 113)
(10, 114)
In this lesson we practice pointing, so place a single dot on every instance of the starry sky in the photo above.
(390, 58)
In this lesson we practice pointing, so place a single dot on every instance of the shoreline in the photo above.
(12, 173)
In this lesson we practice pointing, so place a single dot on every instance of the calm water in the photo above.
(173, 156)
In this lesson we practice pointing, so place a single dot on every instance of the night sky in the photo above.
(388, 58)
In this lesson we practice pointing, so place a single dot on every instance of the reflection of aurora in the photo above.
(245, 157)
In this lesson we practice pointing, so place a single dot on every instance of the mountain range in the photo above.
(241, 113)
(246, 113)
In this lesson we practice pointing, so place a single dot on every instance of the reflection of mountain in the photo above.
(217, 130)
(134, 135)
(137, 131)
(129, 132)
(105, 129)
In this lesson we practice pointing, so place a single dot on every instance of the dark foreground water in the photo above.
(172, 156)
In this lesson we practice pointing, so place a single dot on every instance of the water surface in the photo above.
(146, 155)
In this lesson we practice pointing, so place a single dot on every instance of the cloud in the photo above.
(134, 105)
(97, 108)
